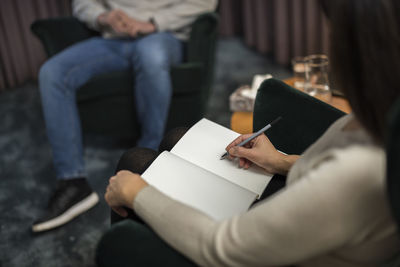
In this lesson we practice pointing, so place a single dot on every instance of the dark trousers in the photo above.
(129, 242)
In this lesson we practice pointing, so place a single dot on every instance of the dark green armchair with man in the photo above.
(129, 70)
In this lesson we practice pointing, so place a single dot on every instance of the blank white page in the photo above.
(204, 144)
(196, 187)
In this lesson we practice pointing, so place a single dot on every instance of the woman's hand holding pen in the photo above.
(122, 191)
(261, 152)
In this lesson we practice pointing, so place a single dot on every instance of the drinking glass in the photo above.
(298, 66)
(316, 77)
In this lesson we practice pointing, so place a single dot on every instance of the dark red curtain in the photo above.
(21, 54)
(283, 28)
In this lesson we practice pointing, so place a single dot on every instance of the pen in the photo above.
(254, 135)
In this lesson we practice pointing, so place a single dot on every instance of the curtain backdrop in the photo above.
(21, 54)
(283, 28)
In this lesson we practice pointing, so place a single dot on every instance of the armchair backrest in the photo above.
(61, 32)
(305, 118)
(57, 34)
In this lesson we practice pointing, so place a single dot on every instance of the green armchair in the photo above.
(106, 102)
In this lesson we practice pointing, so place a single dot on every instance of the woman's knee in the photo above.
(136, 159)
(171, 138)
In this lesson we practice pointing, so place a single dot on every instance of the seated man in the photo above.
(145, 36)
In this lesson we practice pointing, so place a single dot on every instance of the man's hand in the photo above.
(116, 19)
(121, 23)
(140, 27)
(122, 190)
(261, 152)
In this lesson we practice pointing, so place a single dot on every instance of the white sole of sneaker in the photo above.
(69, 214)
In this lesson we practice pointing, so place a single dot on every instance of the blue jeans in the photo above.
(149, 58)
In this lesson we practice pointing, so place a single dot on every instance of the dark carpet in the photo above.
(27, 175)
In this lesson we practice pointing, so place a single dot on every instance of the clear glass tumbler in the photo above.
(298, 66)
(316, 77)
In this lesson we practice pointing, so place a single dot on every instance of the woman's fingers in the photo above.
(112, 200)
(247, 164)
(242, 152)
(241, 162)
(237, 141)
(121, 211)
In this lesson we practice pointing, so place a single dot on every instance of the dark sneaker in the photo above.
(71, 198)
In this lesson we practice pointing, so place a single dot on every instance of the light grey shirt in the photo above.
(333, 212)
(169, 15)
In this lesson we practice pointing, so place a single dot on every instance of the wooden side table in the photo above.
(242, 122)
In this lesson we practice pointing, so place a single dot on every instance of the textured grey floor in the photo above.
(26, 174)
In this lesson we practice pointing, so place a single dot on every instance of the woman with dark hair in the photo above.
(334, 209)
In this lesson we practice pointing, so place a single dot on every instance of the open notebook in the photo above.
(194, 174)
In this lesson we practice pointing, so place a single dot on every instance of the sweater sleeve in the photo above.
(88, 11)
(179, 15)
(316, 215)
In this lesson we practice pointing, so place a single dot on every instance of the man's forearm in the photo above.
(88, 11)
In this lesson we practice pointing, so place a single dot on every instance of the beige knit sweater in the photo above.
(169, 15)
(333, 212)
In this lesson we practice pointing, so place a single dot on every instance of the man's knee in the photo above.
(50, 71)
(150, 59)
(153, 53)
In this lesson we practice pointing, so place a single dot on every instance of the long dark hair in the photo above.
(365, 57)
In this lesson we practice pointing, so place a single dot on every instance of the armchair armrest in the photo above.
(187, 78)
(201, 44)
(305, 118)
(59, 33)
(201, 47)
